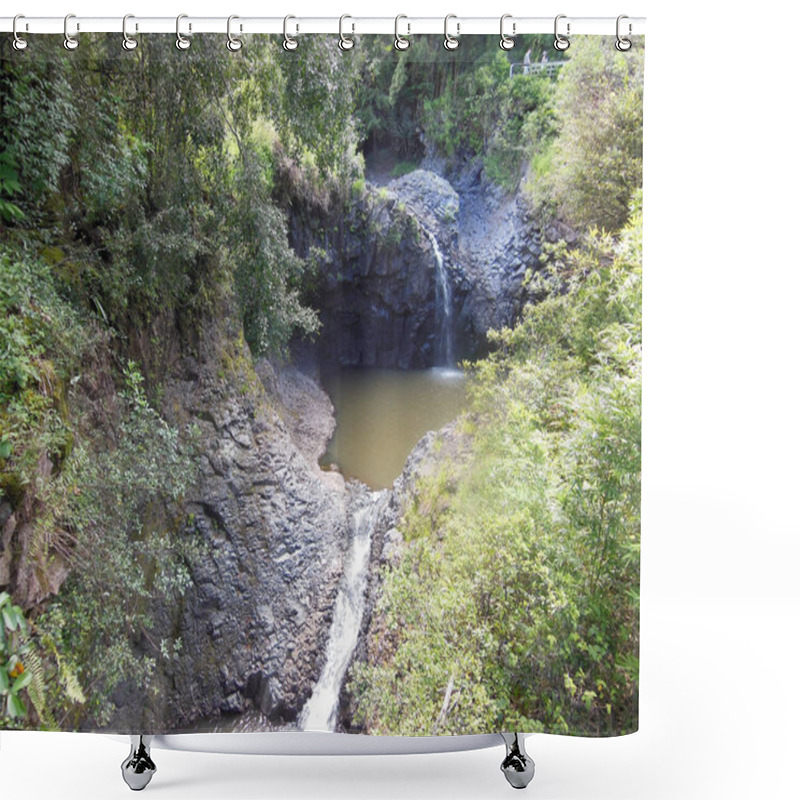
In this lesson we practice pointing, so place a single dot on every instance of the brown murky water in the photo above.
(382, 413)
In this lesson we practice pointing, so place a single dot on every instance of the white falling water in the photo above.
(322, 707)
(444, 303)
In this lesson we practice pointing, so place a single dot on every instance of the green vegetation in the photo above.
(14, 675)
(518, 585)
(43, 342)
(172, 211)
(458, 105)
(139, 202)
(514, 605)
(403, 168)
(586, 173)
(129, 542)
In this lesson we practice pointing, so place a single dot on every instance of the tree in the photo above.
(587, 173)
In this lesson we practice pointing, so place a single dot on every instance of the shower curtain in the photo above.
(320, 385)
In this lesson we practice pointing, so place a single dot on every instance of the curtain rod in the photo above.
(513, 26)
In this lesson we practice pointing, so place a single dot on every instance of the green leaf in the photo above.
(10, 618)
(16, 708)
(21, 682)
(3, 680)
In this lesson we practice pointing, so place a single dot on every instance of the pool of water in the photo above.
(382, 413)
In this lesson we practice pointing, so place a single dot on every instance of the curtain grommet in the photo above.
(401, 43)
(70, 42)
(128, 42)
(346, 42)
(507, 42)
(451, 42)
(181, 42)
(233, 44)
(19, 44)
(561, 43)
(289, 42)
(623, 43)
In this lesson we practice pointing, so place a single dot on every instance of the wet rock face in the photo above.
(433, 201)
(378, 289)
(498, 244)
(488, 241)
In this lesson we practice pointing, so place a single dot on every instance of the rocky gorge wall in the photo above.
(377, 293)
(274, 533)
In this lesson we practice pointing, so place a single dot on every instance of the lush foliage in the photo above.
(41, 342)
(515, 605)
(97, 507)
(121, 508)
(145, 196)
(161, 169)
(459, 105)
(14, 675)
(586, 173)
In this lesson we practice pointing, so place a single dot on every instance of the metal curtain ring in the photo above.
(181, 42)
(128, 42)
(346, 42)
(451, 42)
(401, 42)
(289, 43)
(507, 42)
(233, 44)
(70, 42)
(19, 43)
(623, 44)
(561, 43)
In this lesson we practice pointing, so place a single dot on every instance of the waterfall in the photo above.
(444, 306)
(322, 707)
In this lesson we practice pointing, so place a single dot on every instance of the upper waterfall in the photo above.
(444, 307)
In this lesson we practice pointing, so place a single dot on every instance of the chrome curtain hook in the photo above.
(289, 43)
(346, 42)
(623, 44)
(507, 42)
(181, 42)
(451, 42)
(128, 42)
(19, 43)
(70, 42)
(233, 44)
(561, 43)
(401, 42)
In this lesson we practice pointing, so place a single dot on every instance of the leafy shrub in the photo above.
(9, 186)
(402, 168)
(122, 507)
(595, 162)
(14, 675)
(41, 341)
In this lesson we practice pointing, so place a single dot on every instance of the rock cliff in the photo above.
(377, 292)
(274, 532)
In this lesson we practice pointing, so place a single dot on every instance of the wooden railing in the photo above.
(550, 68)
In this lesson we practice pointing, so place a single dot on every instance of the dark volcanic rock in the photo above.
(273, 535)
(378, 287)
(498, 243)
(376, 292)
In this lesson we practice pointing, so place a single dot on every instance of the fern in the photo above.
(37, 691)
